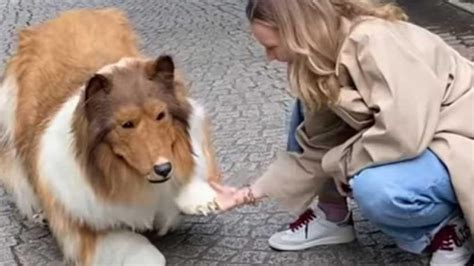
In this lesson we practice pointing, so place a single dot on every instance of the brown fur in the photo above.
(67, 229)
(213, 171)
(44, 82)
(52, 62)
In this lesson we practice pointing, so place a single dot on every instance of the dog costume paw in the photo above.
(40, 218)
(197, 198)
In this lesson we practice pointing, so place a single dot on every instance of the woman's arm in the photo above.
(231, 197)
(295, 179)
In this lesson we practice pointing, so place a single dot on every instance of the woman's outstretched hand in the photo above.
(228, 197)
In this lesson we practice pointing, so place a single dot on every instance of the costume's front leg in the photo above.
(126, 248)
(197, 197)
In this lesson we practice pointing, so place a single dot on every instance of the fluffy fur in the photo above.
(87, 125)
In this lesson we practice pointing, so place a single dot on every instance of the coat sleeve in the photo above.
(294, 180)
(404, 95)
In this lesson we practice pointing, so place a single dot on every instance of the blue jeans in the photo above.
(296, 119)
(408, 200)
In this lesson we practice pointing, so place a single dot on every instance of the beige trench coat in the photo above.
(404, 90)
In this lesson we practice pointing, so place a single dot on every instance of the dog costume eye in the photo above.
(160, 116)
(128, 124)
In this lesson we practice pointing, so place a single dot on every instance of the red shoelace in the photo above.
(304, 219)
(445, 239)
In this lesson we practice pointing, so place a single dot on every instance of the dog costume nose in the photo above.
(163, 170)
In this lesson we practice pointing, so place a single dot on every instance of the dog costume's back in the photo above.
(52, 61)
(56, 58)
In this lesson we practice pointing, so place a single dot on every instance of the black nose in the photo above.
(163, 169)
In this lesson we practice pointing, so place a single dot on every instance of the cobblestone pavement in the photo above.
(249, 106)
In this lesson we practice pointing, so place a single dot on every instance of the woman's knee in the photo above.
(374, 197)
(395, 193)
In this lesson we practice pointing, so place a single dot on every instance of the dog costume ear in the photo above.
(97, 83)
(98, 86)
(162, 69)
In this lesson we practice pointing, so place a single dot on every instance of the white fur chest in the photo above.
(65, 179)
(8, 98)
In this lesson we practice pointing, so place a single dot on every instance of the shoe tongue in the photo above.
(318, 212)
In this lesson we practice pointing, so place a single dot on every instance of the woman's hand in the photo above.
(227, 197)
(230, 197)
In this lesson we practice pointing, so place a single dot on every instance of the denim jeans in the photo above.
(408, 200)
(296, 119)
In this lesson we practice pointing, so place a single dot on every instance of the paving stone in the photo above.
(392, 256)
(261, 244)
(10, 230)
(195, 219)
(6, 255)
(187, 251)
(177, 261)
(8, 263)
(34, 234)
(219, 254)
(233, 242)
(255, 219)
(358, 255)
(365, 239)
(4, 221)
(365, 227)
(8, 241)
(202, 240)
(285, 258)
(281, 219)
(253, 257)
(168, 242)
(319, 257)
(198, 263)
(204, 229)
(235, 230)
(264, 230)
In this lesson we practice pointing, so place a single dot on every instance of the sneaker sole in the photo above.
(460, 262)
(331, 240)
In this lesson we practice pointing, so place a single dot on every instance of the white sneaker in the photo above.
(312, 229)
(452, 244)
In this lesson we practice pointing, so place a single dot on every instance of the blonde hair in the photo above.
(310, 29)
